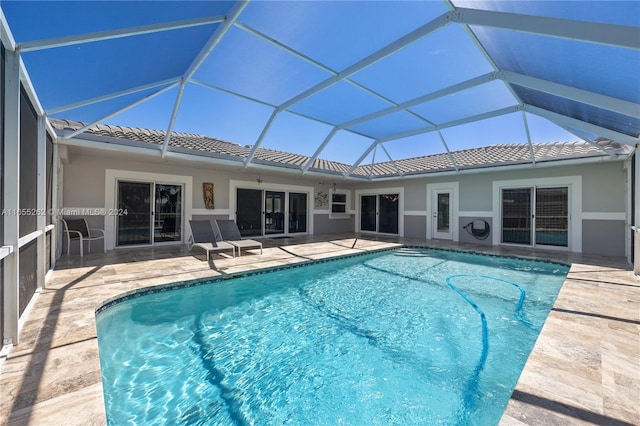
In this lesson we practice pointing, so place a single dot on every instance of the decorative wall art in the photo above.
(207, 192)
(321, 199)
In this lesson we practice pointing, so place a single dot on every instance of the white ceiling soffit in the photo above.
(598, 33)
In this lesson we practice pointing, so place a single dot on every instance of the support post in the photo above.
(41, 201)
(11, 195)
(636, 219)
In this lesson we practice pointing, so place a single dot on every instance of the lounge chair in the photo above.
(202, 236)
(77, 229)
(229, 232)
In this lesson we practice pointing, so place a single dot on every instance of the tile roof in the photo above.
(474, 158)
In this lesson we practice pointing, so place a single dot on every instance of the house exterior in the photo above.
(573, 197)
(141, 186)
(570, 196)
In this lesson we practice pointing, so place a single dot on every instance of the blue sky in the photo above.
(328, 37)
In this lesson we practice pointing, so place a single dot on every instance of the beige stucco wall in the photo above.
(603, 190)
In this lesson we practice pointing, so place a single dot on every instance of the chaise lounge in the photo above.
(229, 232)
(202, 236)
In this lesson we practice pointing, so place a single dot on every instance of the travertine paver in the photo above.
(585, 367)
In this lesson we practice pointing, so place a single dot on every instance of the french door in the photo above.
(536, 216)
(379, 213)
(148, 213)
(261, 212)
(442, 215)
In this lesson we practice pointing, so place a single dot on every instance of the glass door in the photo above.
(368, 213)
(249, 212)
(297, 212)
(153, 213)
(379, 213)
(167, 218)
(516, 215)
(442, 215)
(388, 217)
(273, 212)
(536, 216)
(552, 216)
(134, 228)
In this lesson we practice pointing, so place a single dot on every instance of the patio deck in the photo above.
(584, 369)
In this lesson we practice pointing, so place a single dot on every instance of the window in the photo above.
(339, 204)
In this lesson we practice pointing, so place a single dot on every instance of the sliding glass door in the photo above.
(148, 213)
(297, 212)
(368, 213)
(249, 212)
(261, 212)
(536, 216)
(274, 212)
(134, 227)
(552, 216)
(379, 213)
(167, 217)
(516, 216)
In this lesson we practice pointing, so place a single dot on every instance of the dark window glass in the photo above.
(28, 274)
(297, 212)
(47, 254)
(516, 216)
(28, 165)
(134, 228)
(368, 213)
(249, 212)
(388, 213)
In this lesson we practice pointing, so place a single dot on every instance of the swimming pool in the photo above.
(409, 336)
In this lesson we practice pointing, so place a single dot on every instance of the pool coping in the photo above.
(162, 288)
(53, 376)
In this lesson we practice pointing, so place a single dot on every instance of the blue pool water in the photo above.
(410, 336)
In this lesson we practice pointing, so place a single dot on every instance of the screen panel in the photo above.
(28, 165)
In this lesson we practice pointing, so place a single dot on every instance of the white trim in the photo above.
(111, 178)
(5, 251)
(636, 219)
(269, 186)
(210, 212)
(604, 216)
(455, 215)
(11, 194)
(469, 213)
(591, 32)
(347, 204)
(381, 191)
(574, 183)
(349, 213)
(415, 212)
(23, 241)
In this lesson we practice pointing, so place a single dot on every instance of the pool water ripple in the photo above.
(379, 339)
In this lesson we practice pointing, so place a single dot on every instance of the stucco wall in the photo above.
(603, 193)
(322, 224)
(605, 237)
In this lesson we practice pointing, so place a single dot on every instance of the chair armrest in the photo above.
(70, 231)
(91, 231)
